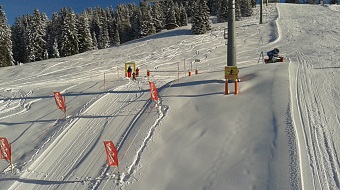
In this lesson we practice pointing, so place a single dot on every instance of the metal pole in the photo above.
(231, 57)
(261, 3)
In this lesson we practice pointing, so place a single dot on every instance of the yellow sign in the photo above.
(231, 72)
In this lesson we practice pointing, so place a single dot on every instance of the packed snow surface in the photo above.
(280, 132)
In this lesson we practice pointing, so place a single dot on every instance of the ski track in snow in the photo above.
(319, 163)
(322, 154)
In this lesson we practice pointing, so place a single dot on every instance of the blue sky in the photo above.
(17, 8)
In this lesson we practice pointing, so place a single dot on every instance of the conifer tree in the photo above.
(246, 8)
(105, 39)
(293, 1)
(136, 21)
(53, 28)
(6, 56)
(94, 40)
(200, 20)
(238, 15)
(55, 51)
(311, 1)
(18, 40)
(37, 27)
(214, 6)
(111, 24)
(205, 15)
(29, 40)
(170, 13)
(116, 37)
(147, 26)
(222, 13)
(73, 35)
(196, 27)
(177, 13)
(158, 16)
(191, 4)
(45, 55)
(95, 27)
(253, 3)
(84, 33)
(100, 27)
(183, 17)
(67, 39)
(124, 23)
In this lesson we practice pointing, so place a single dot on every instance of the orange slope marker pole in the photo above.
(226, 91)
(236, 87)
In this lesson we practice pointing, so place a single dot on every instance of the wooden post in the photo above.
(104, 82)
(65, 106)
(178, 71)
(184, 68)
(10, 159)
(196, 71)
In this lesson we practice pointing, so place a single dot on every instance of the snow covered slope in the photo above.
(280, 132)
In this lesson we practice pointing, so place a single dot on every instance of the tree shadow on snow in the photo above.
(27, 122)
(192, 83)
(336, 67)
(37, 181)
(70, 94)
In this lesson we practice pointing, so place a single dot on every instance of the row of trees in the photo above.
(34, 37)
(312, 1)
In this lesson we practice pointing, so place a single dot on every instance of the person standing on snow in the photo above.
(129, 71)
(133, 76)
(137, 72)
